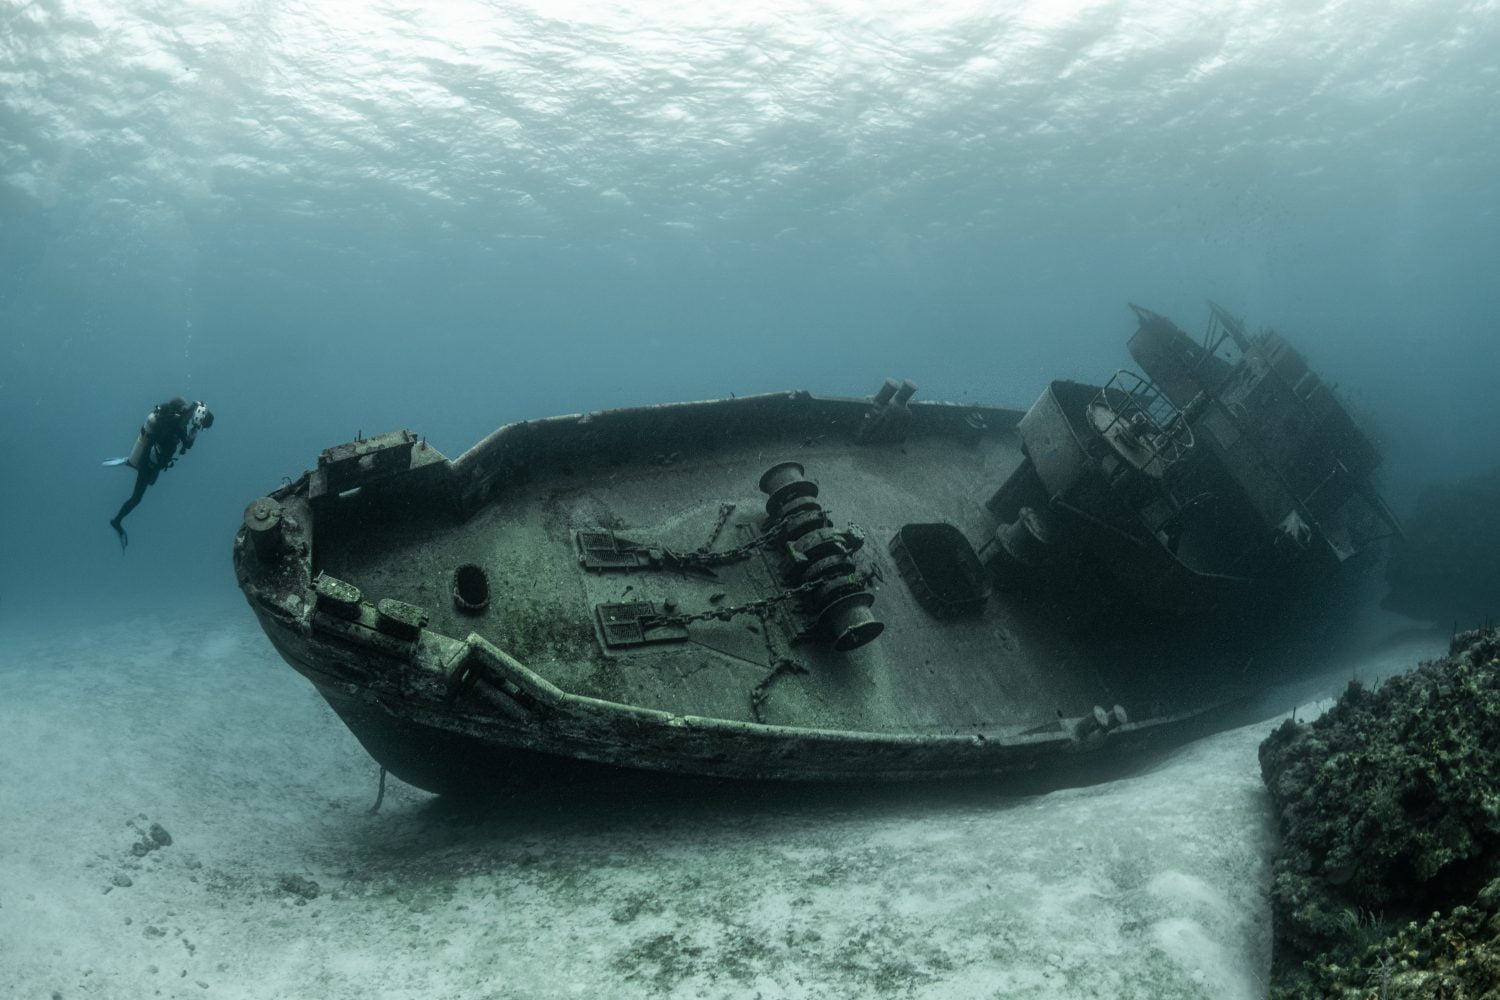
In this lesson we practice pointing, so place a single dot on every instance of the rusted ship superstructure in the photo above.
(792, 587)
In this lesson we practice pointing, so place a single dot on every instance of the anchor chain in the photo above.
(761, 608)
(701, 558)
(725, 509)
(816, 554)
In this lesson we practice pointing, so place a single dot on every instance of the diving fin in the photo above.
(116, 461)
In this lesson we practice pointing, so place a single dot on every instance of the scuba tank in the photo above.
(156, 443)
(148, 450)
(137, 451)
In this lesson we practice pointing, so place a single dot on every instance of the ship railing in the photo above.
(1223, 326)
(1376, 513)
(1143, 416)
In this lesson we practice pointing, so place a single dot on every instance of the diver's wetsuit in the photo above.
(167, 427)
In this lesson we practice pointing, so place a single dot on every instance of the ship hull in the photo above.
(466, 754)
(798, 588)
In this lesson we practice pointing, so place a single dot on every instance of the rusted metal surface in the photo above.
(764, 588)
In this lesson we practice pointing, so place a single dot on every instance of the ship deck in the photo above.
(1016, 667)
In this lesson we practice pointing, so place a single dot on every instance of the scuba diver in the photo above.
(168, 426)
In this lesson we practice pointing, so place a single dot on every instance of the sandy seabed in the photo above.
(278, 882)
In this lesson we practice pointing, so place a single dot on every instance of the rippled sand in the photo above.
(279, 882)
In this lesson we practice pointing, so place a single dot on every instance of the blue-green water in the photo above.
(338, 217)
(333, 217)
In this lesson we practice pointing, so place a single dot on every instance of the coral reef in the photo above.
(1387, 883)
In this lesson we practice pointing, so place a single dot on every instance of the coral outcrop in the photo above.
(1388, 879)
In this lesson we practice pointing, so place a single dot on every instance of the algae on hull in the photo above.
(792, 587)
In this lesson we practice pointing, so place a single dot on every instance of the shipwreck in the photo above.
(794, 587)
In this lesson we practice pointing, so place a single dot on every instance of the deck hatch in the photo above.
(938, 564)
(634, 623)
(604, 550)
